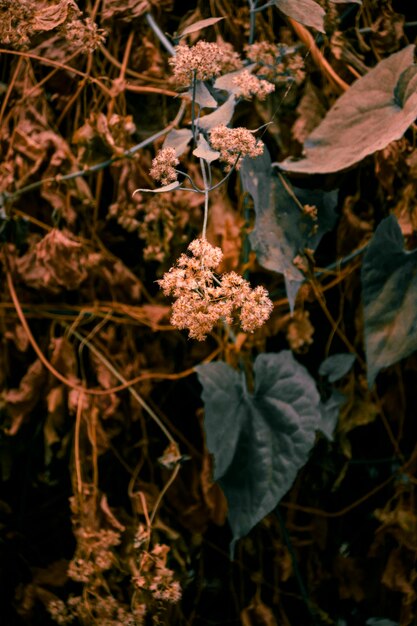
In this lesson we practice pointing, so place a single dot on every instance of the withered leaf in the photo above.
(56, 263)
(22, 400)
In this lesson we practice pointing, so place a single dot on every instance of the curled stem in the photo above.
(121, 378)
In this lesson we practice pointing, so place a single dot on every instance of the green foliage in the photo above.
(336, 366)
(260, 440)
(282, 230)
(389, 284)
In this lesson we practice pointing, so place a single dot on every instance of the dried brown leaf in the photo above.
(258, 614)
(310, 111)
(125, 10)
(400, 575)
(50, 16)
(21, 401)
(56, 263)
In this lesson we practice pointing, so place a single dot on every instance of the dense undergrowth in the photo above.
(238, 447)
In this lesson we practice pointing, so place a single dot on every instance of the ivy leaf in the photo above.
(306, 12)
(389, 286)
(210, 21)
(336, 366)
(222, 115)
(281, 230)
(202, 96)
(377, 109)
(178, 139)
(260, 440)
(204, 151)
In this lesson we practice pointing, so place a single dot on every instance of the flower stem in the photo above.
(206, 197)
(192, 107)
(252, 17)
(160, 35)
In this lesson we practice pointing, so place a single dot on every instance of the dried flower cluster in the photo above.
(311, 211)
(263, 52)
(233, 143)
(153, 584)
(155, 578)
(230, 60)
(203, 298)
(279, 62)
(204, 61)
(84, 35)
(15, 23)
(157, 228)
(97, 609)
(250, 85)
(163, 166)
(300, 331)
(22, 21)
(94, 552)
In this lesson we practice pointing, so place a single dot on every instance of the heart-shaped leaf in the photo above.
(222, 115)
(260, 440)
(306, 12)
(282, 230)
(178, 139)
(202, 96)
(377, 109)
(389, 286)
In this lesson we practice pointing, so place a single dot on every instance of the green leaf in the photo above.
(336, 366)
(260, 440)
(178, 139)
(389, 286)
(202, 96)
(281, 230)
(306, 12)
(330, 411)
(222, 115)
(377, 109)
(210, 21)
(204, 151)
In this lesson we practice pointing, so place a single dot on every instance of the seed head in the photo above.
(233, 143)
(203, 298)
(163, 166)
(204, 61)
(250, 85)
